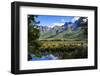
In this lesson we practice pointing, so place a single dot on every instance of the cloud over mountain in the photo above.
(74, 19)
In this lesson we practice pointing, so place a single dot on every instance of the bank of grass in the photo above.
(65, 49)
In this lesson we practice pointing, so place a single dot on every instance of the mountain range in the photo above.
(67, 31)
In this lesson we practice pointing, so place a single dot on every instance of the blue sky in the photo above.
(54, 20)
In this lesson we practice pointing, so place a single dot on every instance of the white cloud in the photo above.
(85, 19)
(63, 20)
(56, 24)
(74, 19)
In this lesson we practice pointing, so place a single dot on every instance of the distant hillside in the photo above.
(67, 31)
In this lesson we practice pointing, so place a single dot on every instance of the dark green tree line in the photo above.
(33, 35)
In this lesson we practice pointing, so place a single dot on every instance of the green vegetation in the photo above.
(33, 35)
(65, 49)
(67, 34)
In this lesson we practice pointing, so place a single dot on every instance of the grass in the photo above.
(65, 49)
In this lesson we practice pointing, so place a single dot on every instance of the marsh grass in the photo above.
(64, 49)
